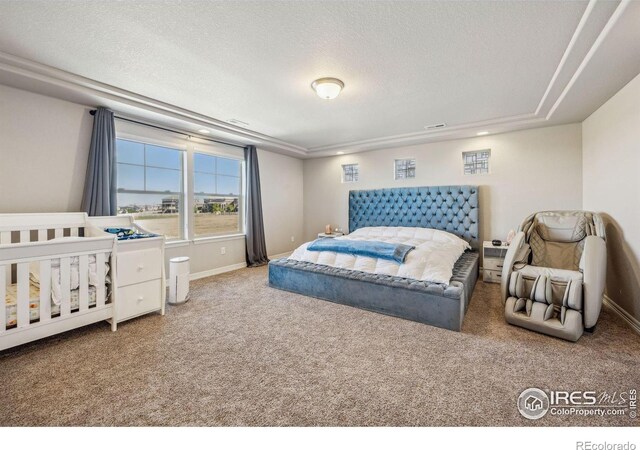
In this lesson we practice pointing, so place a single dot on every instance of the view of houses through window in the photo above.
(150, 187)
(150, 180)
(217, 187)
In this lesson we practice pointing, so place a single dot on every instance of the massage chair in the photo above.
(553, 276)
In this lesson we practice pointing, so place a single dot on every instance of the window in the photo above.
(150, 185)
(350, 173)
(476, 162)
(182, 188)
(217, 185)
(405, 168)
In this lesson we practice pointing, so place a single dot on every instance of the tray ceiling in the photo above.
(404, 64)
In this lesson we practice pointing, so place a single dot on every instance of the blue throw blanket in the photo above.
(372, 249)
(125, 234)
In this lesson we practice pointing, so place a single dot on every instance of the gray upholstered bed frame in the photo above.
(450, 208)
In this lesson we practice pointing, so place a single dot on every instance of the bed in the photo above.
(453, 209)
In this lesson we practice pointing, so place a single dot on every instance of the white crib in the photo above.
(66, 246)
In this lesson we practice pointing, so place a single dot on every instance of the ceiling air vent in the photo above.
(240, 123)
(435, 126)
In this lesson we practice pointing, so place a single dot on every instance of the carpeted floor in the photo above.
(241, 353)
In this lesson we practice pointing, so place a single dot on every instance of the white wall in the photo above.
(44, 144)
(611, 159)
(282, 186)
(531, 170)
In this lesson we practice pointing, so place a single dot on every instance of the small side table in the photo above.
(493, 261)
(329, 236)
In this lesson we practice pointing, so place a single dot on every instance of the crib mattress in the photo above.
(11, 302)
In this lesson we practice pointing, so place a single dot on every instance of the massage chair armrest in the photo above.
(512, 256)
(594, 269)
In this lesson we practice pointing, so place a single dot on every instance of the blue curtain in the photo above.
(256, 248)
(99, 198)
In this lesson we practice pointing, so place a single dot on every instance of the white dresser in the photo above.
(139, 271)
(492, 261)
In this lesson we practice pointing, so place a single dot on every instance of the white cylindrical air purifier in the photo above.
(178, 280)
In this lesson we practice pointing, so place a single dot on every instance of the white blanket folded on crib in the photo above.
(56, 280)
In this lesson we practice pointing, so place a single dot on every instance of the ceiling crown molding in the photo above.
(51, 76)
(543, 113)
(596, 23)
(454, 132)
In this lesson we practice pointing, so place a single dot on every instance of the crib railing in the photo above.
(45, 225)
(22, 228)
(16, 261)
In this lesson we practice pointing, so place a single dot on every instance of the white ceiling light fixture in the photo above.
(203, 131)
(327, 88)
(482, 133)
(339, 153)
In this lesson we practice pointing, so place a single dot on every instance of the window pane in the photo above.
(405, 168)
(163, 157)
(204, 163)
(157, 213)
(228, 167)
(158, 169)
(228, 185)
(163, 180)
(130, 177)
(204, 183)
(129, 152)
(350, 173)
(216, 215)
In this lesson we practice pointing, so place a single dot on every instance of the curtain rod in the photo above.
(93, 113)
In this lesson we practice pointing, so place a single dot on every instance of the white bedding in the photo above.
(435, 253)
(74, 280)
(56, 281)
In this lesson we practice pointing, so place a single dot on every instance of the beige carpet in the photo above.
(241, 353)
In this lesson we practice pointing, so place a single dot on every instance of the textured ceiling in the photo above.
(405, 64)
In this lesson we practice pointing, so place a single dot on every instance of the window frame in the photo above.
(343, 173)
(210, 150)
(395, 168)
(183, 161)
(189, 146)
(465, 153)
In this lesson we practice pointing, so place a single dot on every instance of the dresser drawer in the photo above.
(139, 266)
(138, 299)
(491, 276)
(493, 264)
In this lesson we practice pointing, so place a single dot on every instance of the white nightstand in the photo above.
(329, 236)
(492, 261)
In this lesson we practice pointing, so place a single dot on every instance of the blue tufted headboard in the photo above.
(450, 208)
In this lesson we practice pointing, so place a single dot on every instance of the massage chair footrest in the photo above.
(544, 318)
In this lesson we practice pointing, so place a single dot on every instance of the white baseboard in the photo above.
(632, 321)
(217, 271)
(280, 255)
